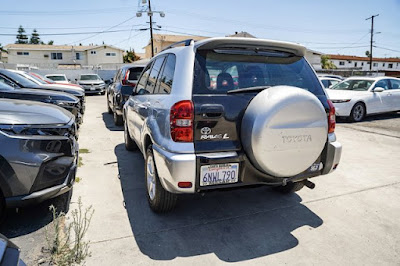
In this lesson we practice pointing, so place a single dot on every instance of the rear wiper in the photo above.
(249, 89)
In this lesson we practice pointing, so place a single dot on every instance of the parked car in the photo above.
(358, 97)
(44, 80)
(329, 82)
(10, 253)
(58, 78)
(120, 89)
(39, 153)
(275, 127)
(92, 83)
(64, 100)
(19, 80)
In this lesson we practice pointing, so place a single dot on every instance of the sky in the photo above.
(331, 27)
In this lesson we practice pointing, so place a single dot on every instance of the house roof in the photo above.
(242, 34)
(360, 58)
(175, 38)
(47, 47)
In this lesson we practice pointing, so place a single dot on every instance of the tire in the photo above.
(2, 208)
(118, 119)
(289, 188)
(63, 201)
(109, 110)
(159, 199)
(103, 92)
(358, 112)
(130, 144)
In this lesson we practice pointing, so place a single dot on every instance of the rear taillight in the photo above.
(181, 121)
(125, 80)
(331, 117)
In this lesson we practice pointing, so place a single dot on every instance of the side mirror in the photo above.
(378, 89)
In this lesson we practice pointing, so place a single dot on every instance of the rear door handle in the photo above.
(212, 110)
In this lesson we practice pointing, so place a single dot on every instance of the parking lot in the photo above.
(351, 217)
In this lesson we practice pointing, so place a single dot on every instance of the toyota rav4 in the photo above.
(230, 112)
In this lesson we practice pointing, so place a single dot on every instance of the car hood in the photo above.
(54, 87)
(18, 112)
(67, 86)
(344, 94)
(54, 95)
(89, 82)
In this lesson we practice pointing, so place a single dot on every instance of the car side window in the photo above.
(383, 83)
(141, 85)
(155, 70)
(166, 77)
(395, 84)
(7, 81)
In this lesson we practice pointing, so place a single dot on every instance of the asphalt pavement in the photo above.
(351, 217)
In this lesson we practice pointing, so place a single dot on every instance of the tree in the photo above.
(21, 36)
(130, 56)
(35, 39)
(326, 63)
(50, 42)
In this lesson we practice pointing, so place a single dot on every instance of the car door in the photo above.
(136, 104)
(395, 94)
(385, 96)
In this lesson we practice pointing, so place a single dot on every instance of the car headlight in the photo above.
(341, 101)
(37, 130)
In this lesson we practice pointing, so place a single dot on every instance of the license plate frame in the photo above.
(219, 174)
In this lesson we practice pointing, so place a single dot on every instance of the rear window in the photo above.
(134, 73)
(217, 72)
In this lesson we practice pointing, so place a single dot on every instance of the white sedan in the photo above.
(360, 96)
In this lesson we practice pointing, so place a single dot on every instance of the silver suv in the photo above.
(230, 112)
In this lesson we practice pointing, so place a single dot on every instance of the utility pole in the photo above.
(150, 14)
(372, 39)
(151, 29)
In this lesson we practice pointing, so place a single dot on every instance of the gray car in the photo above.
(38, 152)
(230, 112)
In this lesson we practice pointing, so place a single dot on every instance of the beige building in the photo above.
(42, 55)
(161, 41)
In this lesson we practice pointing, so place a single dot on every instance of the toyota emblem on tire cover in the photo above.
(205, 130)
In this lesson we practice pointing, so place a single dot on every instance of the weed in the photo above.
(80, 162)
(66, 244)
(83, 151)
(77, 179)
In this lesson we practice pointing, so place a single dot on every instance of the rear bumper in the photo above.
(173, 168)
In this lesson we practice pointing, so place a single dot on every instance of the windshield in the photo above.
(353, 85)
(20, 79)
(90, 77)
(217, 72)
(57, 78)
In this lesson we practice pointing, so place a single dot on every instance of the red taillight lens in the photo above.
(331, 117)
(185, 184)
(126, 78)
(181, 121)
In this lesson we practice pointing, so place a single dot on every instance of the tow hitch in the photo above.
(309, 184)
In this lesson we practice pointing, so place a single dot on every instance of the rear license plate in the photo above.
(218, 174)
(92, 88)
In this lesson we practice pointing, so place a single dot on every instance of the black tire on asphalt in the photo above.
(62, 202)
(2, 208)
(289, 188)
(118, 119)
(109, 110)
(354, 114)
(163, 200)
(130, 144)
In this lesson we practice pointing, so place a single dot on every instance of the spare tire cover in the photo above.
(284, 130)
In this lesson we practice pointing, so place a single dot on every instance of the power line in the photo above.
(393, 50)
(110, 28)
(70, 33)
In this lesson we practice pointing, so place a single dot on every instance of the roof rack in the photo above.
(187, 42)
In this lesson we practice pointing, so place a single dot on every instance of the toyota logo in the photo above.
(205, 130)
